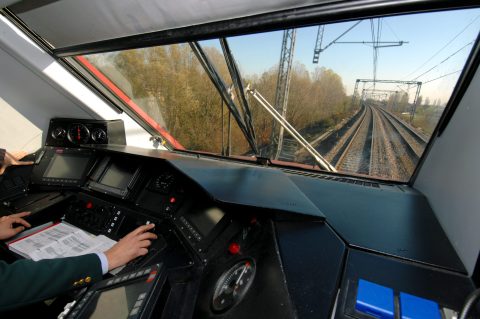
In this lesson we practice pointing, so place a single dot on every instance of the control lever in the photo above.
(153, 230)
(157, 245)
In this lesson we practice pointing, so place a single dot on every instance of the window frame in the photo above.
(330, 12)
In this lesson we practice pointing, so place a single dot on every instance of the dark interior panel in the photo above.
(231, 247)
(388, 220)
(312, 257)
(448, 289)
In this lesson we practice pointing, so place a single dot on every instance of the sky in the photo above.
(433, 41)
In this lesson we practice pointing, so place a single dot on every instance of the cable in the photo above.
(372, 28)
(391, 29)
(341, 35)
(448, 57)
(441, 49)
(469, 303)
(441, 77)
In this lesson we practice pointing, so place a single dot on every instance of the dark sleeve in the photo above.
(2, 155)
(26, 281)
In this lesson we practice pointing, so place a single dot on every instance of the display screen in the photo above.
(67, 166)
(116, 303)
(118, 175)
(205, 219)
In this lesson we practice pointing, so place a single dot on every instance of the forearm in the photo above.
(26, 281)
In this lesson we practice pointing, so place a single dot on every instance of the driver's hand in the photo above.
(13, 159)
(6, 225)
(131, 246)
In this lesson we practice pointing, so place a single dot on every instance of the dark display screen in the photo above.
(67, 166)
(116, 303)
(205, 219)
(118, 175)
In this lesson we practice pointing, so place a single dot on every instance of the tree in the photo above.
(419, 100)
(427, 101)
(171, 86)
(403, 103)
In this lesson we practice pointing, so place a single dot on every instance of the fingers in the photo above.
(23, 163)
(19, 221)
(145, 236)
(17, 230)
(133, 245)
(18, 155)
(143, 251)
(22, 214)
(144, 244)
(142, 229)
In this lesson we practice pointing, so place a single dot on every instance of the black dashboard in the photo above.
(238, 240)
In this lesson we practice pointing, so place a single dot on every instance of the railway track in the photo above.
(387, 158)
(414, 140)
(289, 148)
(355, 156)
(335, 152)
(378, 144)
(373, 142)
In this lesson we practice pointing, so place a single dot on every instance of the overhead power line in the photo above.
(341, 35)
(441, 49)
(391, 29)
(442, 76)
(376, 43)
(444, 60)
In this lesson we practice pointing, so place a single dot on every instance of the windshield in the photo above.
(360, 98)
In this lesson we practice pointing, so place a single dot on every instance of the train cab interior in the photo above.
(299, 159)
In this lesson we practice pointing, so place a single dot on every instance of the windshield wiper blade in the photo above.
(238, 84)
(222, 89)
(322, 162)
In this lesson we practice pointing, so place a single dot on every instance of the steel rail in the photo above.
(401, 142)
(373, 144)
(352, 140)
(348, 129)
(410, 129)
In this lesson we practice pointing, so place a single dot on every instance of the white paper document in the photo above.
(60, 240)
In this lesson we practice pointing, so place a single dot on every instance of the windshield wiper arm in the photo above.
(222, 89)
(322, 162)
(238, 84)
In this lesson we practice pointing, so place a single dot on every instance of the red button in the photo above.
(234, 248)
(89, 205)
(173, 200)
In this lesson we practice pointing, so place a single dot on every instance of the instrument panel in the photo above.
(234, 248)
(73, 132)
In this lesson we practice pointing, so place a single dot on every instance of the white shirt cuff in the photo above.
(104, 262)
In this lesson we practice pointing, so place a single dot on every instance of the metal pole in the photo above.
(355, 94)
(318, 44)
(414, 106)
(323, 163)
(223, 128)
(283, 87)
(229, 137)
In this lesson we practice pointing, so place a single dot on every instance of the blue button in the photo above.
(413, 307)
(375, 300)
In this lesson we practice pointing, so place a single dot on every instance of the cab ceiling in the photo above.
(65, 23)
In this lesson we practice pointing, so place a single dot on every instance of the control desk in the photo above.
(230, 247)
